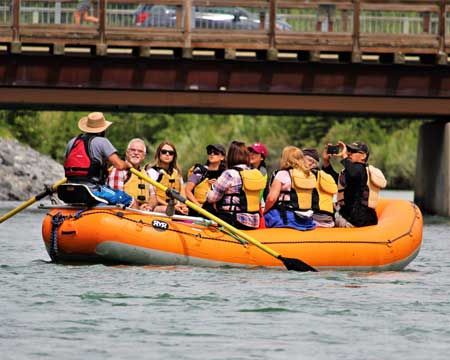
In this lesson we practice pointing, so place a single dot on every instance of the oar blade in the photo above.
(296, 264)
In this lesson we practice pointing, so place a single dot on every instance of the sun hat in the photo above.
(358, 146)
(259, 148)
(312, 153)
(94, 123)
(220, 148)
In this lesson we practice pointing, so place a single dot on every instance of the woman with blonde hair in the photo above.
(289, 201)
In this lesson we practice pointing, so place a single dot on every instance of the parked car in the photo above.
(204, 18)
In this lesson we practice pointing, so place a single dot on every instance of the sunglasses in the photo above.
(167, 152)
(213, 152)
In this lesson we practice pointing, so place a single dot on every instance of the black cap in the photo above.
(220, 148)
(358, 146)
(312, 153)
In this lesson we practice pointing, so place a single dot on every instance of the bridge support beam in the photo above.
(432, 192)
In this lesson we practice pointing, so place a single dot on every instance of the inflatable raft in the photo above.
(107, 234)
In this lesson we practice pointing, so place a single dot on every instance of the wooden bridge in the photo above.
(289, 56)
(246, 56)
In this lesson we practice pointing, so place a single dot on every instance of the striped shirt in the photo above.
(230, 182)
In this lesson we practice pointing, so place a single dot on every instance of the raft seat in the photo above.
(78, 194)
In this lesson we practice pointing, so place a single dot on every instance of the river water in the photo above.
(50, 311)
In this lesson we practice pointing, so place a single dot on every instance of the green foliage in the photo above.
(48, 132)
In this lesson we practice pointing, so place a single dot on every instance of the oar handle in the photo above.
(32, 200)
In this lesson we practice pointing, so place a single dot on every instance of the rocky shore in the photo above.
(24, 171)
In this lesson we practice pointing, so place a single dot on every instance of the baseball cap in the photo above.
(311, 152)
(259, 148)
(358, 146)
(220, 148)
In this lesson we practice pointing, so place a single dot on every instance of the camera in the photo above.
(333, 149)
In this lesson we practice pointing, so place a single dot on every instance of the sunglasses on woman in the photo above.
(167, 152)
(213, 152)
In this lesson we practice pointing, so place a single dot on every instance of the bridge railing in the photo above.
(349, 28)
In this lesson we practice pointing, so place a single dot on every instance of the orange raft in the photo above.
(112, 235)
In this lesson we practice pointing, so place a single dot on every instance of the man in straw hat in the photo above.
(87, 158)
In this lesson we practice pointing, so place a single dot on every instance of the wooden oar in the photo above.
(31, 201)
(289, 263)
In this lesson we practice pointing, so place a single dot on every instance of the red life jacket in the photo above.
(79, 164)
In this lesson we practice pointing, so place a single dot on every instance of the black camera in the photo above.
(333, 149)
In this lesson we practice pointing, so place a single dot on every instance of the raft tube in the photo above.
(116, 236)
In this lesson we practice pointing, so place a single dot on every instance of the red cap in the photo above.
(259, 148)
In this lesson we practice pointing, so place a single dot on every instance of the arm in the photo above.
(274, 194)
(220, 187)
(189, 193)
(118, 163)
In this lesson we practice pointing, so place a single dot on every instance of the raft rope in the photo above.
(121, 214)
(57, 221)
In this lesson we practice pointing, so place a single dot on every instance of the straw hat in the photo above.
(93, 123)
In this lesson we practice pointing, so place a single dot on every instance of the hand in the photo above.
(325, 156)
(212, 181)
(343, 153)
(146, 207)
(182, 208)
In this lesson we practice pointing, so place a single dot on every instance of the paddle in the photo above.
(289, 263)
(48, 191)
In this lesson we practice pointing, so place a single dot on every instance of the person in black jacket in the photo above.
(352, 209)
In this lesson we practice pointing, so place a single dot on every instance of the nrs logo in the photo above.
(160, 225)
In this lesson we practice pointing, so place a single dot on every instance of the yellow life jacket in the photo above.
(375, 182)
(326, 188)
(201, 189)
(137, 188)
(302, 185)
(171, 181)
(253, 182)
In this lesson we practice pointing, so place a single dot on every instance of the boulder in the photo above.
(24, 172)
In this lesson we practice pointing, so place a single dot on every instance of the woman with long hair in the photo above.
(165, 170)
(235, 202)
(289, 201)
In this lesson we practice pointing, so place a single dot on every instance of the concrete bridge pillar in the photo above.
(432, 189)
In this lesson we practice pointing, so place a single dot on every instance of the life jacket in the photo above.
(171, 181)
(137, 188)
(79, 164)
(302, 187)
(201, 189)
(375, 182)
(249, 196)
(326, 187)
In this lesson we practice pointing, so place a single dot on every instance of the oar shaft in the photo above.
(202, 211)
(32, 200)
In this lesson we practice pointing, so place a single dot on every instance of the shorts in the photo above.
(84, 6)
(114, 197)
